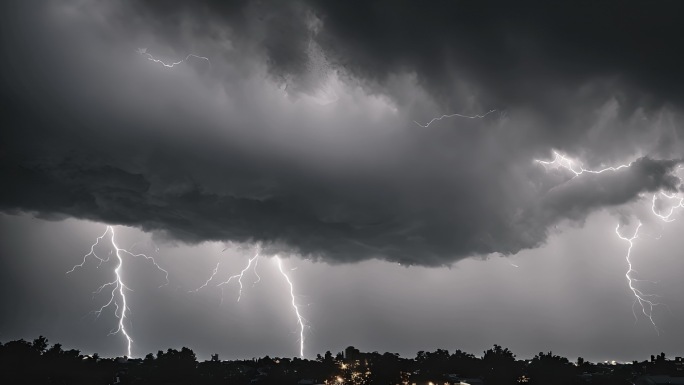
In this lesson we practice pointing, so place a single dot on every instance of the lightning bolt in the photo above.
(92, 253)
(667, 217)
(241, 275)
(426, 125)
(238, 276)
(143, 51)
(640, 297)
(562, 161)
(213, 274)
(253, 263)
(118, 287)
(256, 263)
(300, 320)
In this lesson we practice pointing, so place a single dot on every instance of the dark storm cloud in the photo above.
(514, 52)
(578, 196)
(217, 152)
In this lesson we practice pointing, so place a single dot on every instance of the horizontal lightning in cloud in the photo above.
(563, 161)
(143, 51)
(426, 125)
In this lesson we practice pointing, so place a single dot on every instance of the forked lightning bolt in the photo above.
(241, 275)
(143, 51)
(118, 292)
(426, 125)
(640, 297)
(300, 320)
(253, 263)
(254, 260)
(571, 165)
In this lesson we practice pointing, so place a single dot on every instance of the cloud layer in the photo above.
(300, 134)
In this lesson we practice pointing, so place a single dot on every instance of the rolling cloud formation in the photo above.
(300, 131)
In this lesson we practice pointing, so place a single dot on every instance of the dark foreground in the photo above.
(36, 362)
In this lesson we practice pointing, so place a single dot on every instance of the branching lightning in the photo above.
(143, 51)
(641, 298)
(252, 263)
(241, 275)
(92, 253)
(118, 293)
(667, 217)
(562, 161)
(254, 260)
(426, 125)
(300, 320)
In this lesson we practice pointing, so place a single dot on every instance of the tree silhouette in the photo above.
(37, 362)
(547, 368)
(500, 366)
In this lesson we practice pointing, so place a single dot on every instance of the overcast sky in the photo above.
(301, 129)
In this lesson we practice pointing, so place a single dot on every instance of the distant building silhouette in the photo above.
(351, 354)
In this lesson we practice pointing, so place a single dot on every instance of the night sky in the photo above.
(300, 130)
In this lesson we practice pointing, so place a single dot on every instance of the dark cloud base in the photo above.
(203, 153)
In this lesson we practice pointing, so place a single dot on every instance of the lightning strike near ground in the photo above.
(640, 297)
(563, 161)
(118, 287)
(143, 51)
(300, 319)
(426, 125)
(252, 263)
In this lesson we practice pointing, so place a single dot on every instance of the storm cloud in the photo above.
(300, 132)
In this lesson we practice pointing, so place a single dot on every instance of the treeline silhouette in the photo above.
(36, 362)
